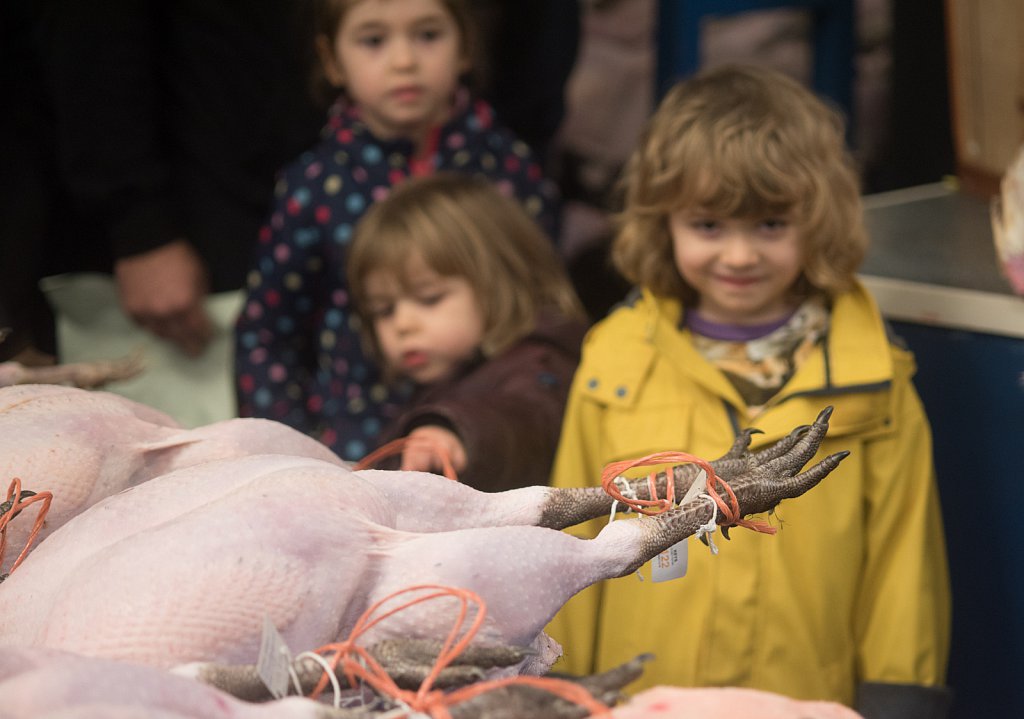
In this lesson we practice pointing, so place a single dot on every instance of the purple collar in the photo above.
(732, 333)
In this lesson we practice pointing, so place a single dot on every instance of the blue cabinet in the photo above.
(933, 268)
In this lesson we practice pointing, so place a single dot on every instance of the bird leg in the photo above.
(565, 507)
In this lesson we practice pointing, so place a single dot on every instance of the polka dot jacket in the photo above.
(298, 357)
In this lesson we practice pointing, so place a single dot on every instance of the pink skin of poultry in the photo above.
(185, 567)
(84, 445)
(38, 683)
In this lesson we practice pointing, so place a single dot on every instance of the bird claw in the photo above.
(5, 507)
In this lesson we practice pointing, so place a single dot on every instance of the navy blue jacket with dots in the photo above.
(298, 356)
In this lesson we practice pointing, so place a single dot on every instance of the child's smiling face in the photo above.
(400, 62)
(742, 269)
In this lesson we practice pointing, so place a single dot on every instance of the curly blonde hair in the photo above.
(463, 226)
(742, 142)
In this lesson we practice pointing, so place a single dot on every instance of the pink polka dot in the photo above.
(359, 174)
(282, 252)
(456, 141)
(505, 187)
(339, 298)
(277, 220)
(314, 169)
(512, 163)
(322, 214)
(315, 403)
(258, 355)
(345, 136)
(254, 310)
(246, 383)
(292, 206)
(396, 176)
(329, 436)
(277, 372)
(379, 193)
(483, 112)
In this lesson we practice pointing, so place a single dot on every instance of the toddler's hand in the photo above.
(425, 445)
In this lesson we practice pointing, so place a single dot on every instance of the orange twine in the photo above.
(18, 504)
(730, 512)
(397, 446)
(427, 700)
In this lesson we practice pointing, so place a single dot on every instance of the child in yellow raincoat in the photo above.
(742, 227)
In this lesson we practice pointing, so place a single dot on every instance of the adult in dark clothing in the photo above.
(528, 51)
(169, 121)
(459, 292)
(24, 193)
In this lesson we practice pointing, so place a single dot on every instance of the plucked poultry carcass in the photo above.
(87, 375)
(39, 684)
(1008, 223)
(186, 567)
(83, 446)
(48, 684)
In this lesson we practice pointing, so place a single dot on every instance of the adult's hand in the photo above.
(163, 291)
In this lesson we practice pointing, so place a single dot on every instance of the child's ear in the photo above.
(333, 70)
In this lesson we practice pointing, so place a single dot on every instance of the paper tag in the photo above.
(698, 486)
(670, 564)
(274, 661)
(673, 562)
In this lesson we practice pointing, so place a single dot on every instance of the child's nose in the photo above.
(739, 250)
(405, 317)
(403, 54)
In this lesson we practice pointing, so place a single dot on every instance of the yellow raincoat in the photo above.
(853, 588)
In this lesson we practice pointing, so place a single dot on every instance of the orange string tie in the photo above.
(397, 446)
(19, 502)
(730, 511)
(426, 699)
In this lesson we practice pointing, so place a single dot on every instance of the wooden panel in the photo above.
(986, 52)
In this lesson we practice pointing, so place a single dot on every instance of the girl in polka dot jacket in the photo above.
(403, 113)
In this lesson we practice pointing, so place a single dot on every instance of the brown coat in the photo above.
(507, 410)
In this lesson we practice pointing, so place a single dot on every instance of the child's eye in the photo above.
(705, 226)
(380, 310)
(430, 33)
(432, 298)
(371, 41)
(774, 225)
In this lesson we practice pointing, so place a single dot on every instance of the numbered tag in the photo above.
(672, 563)
(274, 660)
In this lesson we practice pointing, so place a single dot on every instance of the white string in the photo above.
(335, 686)
(712, 524)
(626, 489)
